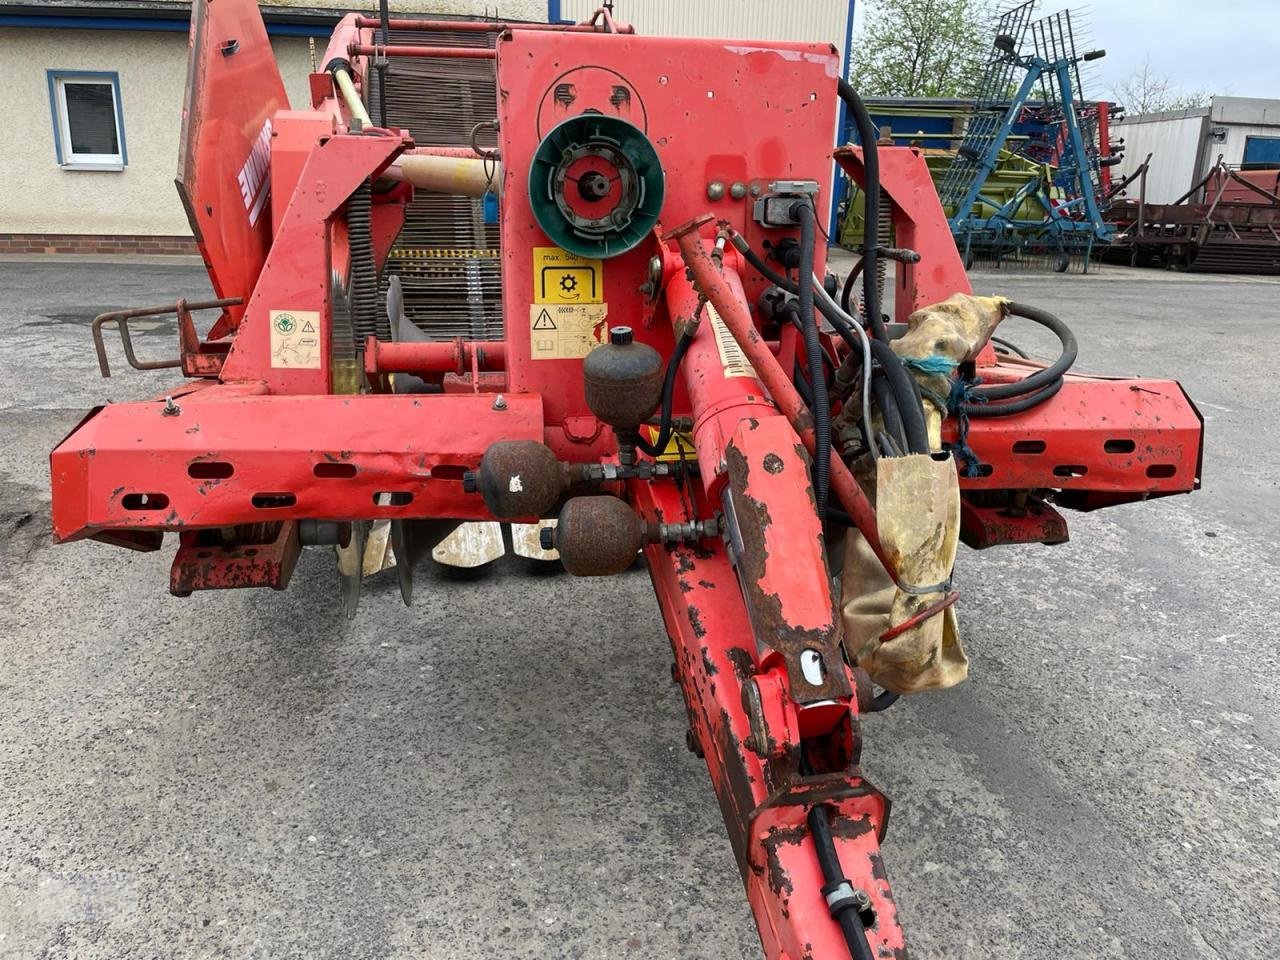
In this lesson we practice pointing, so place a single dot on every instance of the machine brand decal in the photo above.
(560, 331)
(732, 358)
(563, 277)
(295, 339)
(254, 179)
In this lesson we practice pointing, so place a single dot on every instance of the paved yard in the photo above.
(250, 775)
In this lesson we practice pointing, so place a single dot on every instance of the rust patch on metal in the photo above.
(695, 621)
(744, 665)
(773, 463)
(708, 665)
(737, 801)
(779, 879)
(767, 616)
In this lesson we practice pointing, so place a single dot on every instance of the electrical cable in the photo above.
(851, 332)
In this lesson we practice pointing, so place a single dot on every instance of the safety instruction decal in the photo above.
(732, 359)
(560, 331)
(295, 339)
(563, 277)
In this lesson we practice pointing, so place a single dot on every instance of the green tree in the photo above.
(921, 48)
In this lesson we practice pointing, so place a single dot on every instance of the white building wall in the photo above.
(1232, 149)
(1186, 144)
(40, 197)
(1173, 140)
(822, 21)
(141, 198)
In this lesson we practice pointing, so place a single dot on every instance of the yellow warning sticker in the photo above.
(295, 339)
(679, 447)
(563, 277)
(732, 358)
(566, 331)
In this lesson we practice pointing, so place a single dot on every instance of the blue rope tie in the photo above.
(963, 392)
(935, 365)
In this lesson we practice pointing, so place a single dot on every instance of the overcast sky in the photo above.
(1216, 46)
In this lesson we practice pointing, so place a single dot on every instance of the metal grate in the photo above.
(446, 256)
(999, 83)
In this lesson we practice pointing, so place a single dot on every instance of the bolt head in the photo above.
(499, 402)
(738, 190)
(715, 190)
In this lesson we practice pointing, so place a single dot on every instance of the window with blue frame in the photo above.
(1262, 151)
(88, 120)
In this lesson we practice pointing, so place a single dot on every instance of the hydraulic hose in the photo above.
(1011, 347)
(668, 395)
(1013, 406)
(846, 294)
(889, 411)
(1035, 383)
(871, 208)
(843, 907)
(910, 409)
(813, 357)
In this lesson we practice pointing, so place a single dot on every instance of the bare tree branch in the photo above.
(1145, 90)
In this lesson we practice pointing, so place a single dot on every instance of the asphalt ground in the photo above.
(500, 771)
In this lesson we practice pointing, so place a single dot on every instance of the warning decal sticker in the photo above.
(732, 358)
(566, 331)
(563, 277)
(295, 339)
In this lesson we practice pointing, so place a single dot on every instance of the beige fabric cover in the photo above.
(956, 328)
(918, 518)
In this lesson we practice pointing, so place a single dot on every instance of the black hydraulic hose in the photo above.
(910, 409)
(847, 293)
(889, 412)
(1011, 347)
(668, 396)
(844, 909)
(766, 271)
(813, 357)
(883, 701)
(1011, 407)
(871, 206)
(802, 385)
(1035, 383)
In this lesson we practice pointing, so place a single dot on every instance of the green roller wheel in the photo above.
(596, 185)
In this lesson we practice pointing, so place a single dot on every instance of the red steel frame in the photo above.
(254, 447)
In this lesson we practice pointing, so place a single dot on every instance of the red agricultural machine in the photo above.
(677, 376)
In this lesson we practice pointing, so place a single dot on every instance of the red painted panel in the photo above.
(233, 89)
(687, 96)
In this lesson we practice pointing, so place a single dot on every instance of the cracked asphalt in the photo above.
(500, 771)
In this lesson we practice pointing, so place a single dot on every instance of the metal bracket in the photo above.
(188, 339)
